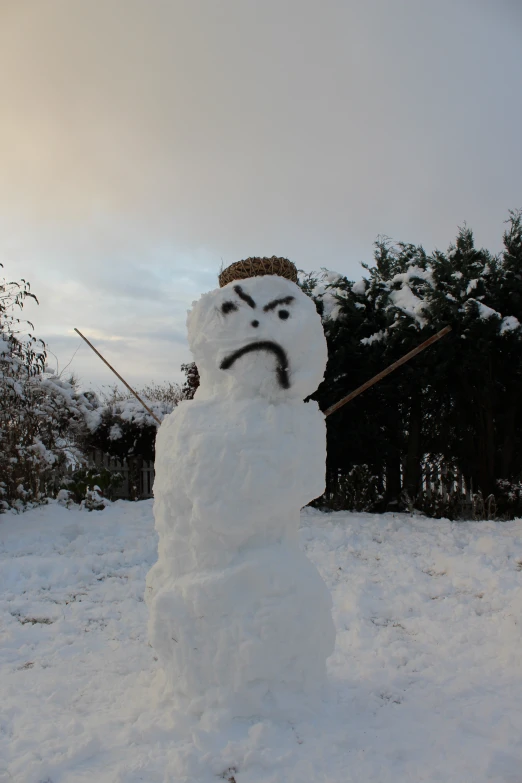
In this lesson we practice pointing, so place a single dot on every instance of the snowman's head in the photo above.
(257, 337)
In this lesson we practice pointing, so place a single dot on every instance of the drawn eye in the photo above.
(228, 307)
(283, 314)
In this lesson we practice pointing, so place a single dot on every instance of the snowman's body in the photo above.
(239, 616)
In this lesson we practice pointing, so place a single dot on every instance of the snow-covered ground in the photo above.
(426, 679)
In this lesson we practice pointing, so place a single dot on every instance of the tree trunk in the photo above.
(508, 445)
(412, 468)
(393, 462)
(393, 480)
(486, 467)
(135, 477)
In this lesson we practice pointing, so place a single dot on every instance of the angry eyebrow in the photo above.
(245, 297)
(276, 302)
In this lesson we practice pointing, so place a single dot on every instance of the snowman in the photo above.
(239, 617)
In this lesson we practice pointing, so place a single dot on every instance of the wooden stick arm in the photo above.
(329, 410)
(388, 370)
(119, 376)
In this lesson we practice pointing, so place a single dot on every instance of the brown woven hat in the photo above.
(255, 267)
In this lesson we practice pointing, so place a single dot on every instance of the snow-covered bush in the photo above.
(508, 498)
(83, 481)
(94, 500)
(41, 415)
(440, 505)
(357, 490)
(124, 429)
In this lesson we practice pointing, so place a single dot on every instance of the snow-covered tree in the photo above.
(457, 401)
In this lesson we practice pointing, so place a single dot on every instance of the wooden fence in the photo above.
(137, 474)
(437, 480)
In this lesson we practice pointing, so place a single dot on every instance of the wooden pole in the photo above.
(388, 370)
(119, 376)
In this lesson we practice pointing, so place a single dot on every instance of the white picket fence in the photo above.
(443, 480)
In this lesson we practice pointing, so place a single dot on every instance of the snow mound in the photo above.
(425, 678)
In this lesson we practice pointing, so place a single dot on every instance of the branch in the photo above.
(119, 376)
(387, 371)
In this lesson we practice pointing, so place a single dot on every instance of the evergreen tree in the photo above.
(456, 403)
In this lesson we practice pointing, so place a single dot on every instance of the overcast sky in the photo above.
(143, 143)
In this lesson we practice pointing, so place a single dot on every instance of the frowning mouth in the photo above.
(266, 346)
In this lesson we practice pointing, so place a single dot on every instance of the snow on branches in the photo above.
(122, 427)
(41, 415)
(459, 399)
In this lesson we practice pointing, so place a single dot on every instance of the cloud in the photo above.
(142, 144)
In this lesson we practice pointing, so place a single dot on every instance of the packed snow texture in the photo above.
(426, 677)
(239, 616)
(224, 320)
(132, 411)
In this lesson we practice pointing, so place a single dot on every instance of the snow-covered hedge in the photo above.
(460, 399)
(123, 428)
